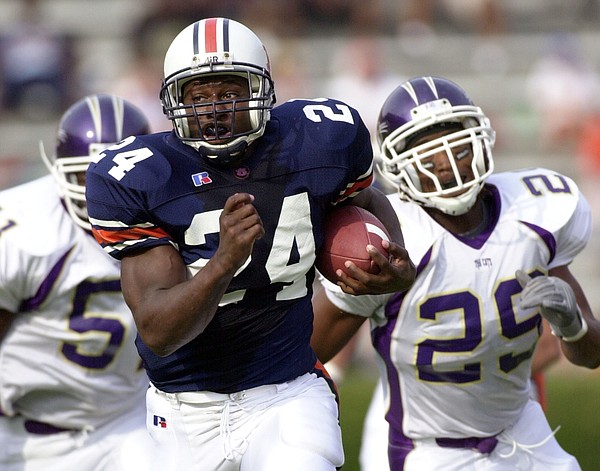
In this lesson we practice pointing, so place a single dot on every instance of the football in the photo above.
(348, 231)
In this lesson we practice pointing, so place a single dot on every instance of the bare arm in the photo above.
(547, 351)
(332, 328)
(169, 309)
(586, 351)
(6, 320)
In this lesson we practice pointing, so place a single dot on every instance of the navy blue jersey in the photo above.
(154, 190)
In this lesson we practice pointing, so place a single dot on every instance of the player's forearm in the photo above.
(171, 310)
(332, 328)
(586, 351)
(173, 318)
(6, 320)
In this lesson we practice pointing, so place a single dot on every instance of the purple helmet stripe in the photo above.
(422, 90)
(98, 119)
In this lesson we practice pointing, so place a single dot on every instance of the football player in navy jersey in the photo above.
(492, 252)
(217, 225)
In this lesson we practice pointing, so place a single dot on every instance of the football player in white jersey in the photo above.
(373, 446)
(455, 350)
(72, 389)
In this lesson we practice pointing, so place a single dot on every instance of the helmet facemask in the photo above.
(404, 165)
(224, 118)
(69, 174)
(217, 47)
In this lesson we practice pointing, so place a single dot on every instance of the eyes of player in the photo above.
(459, 153)
(463, 152)
(203, 93)
(204, 98)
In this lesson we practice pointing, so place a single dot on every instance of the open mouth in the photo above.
(212, 132)
(448, 184)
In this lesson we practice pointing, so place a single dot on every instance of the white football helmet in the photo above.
(217, 46)
(421, 105)
(87, 128)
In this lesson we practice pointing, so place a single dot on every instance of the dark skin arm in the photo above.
(586, 351)
(547, 350)
(397, 272)
(169, 309)
(6, 320)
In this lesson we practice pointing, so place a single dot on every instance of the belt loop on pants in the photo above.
(481, 444)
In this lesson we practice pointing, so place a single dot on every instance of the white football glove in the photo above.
(557, 303)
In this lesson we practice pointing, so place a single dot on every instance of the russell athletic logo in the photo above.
(201, 178)
(160, 421)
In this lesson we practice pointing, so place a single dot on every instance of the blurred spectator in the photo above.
(483, 17)
(288, 61)
(165, 20)
(36, 66)
(140, 82)
(334, 17)
(563, 92)
(359, 77)
(482, 20)
(587, 156)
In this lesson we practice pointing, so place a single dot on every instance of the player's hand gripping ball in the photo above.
(348, 231)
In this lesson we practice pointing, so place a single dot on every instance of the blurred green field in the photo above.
(573, 403)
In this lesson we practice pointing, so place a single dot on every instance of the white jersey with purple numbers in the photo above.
(456, 348)
(69, 358)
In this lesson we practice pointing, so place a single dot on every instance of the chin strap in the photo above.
(224, 157)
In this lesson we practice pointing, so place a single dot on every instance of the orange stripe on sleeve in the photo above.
(356, 187)
(112, 237)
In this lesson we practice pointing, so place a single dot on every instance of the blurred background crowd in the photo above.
(534, 67)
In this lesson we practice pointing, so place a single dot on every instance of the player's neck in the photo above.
(470, 224)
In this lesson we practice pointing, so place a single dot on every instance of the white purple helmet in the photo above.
(87, 128)
(217, 46)
(422, 105)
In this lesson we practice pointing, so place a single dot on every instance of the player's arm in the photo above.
(169, 309)
(397, 271)
(564, 305)
(585, 351)
(547, 350)
(332, 328)
(6, 320)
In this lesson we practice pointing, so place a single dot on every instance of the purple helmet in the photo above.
(89, 126)
(422, 105)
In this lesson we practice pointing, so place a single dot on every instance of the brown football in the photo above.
(348, 231)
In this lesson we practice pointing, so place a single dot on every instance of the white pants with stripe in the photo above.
(528, 445)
